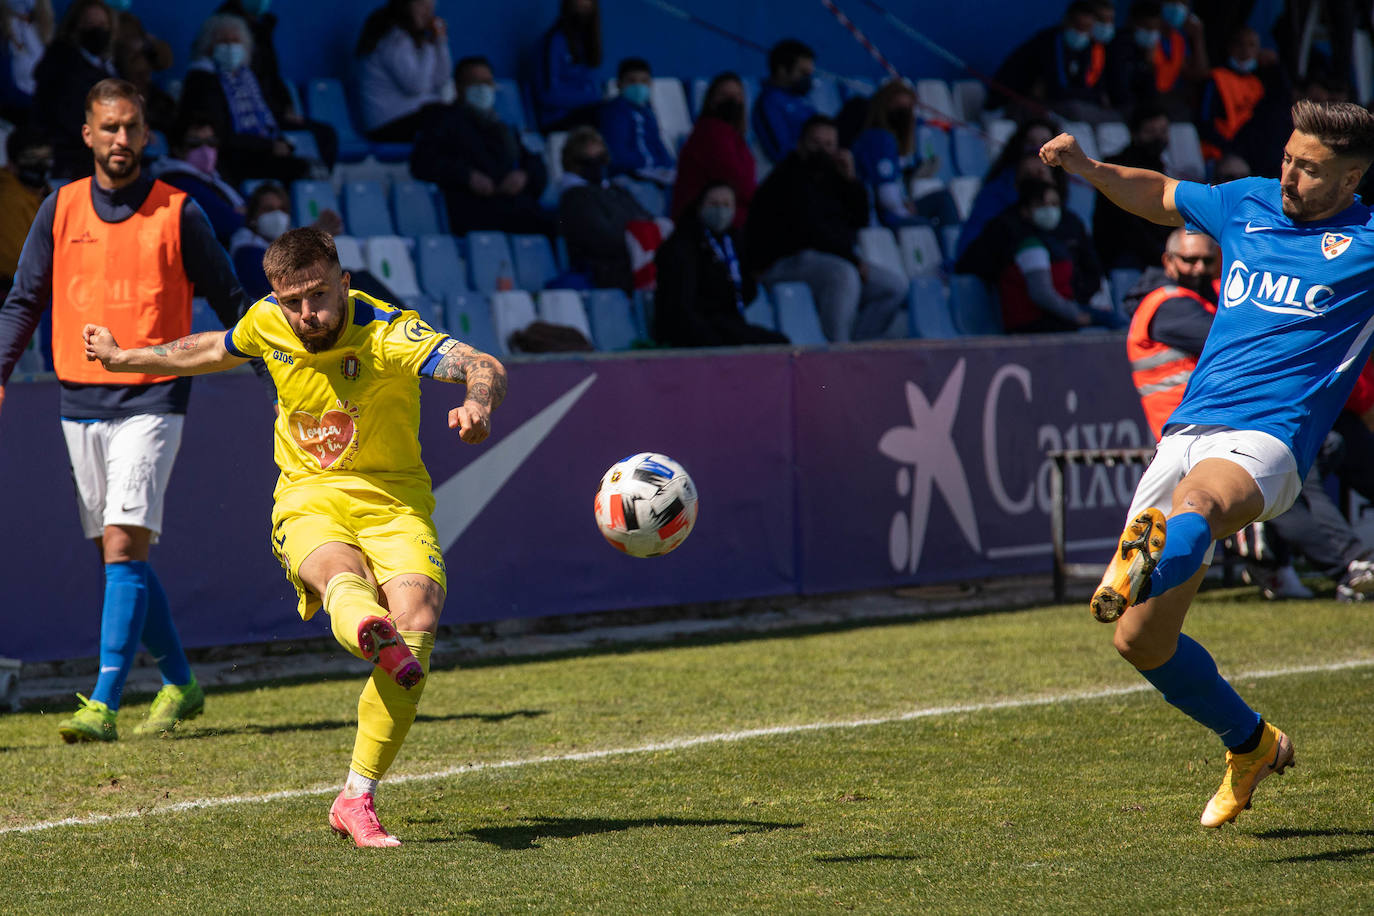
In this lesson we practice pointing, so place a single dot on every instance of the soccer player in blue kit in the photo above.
(1293, 328)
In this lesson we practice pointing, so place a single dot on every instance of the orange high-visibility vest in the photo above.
(1239, 93)
(1160, 372)
(1097, 62)
(1169, 66)
(127, 276)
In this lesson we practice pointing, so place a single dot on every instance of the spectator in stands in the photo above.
(281, 100)
(192, 166)
(1104, 21)
(489, 179)
(1012, 165)
(717, 150)
(593, 214)
(266, 216)
(405, 69)
(26, 27)
(886, 158)
(804, 225)
(1125, 241)
(703, 286)
(23, 185)
(1042, 262)
(1245, 105)
(222, 88)
(566, 91)
(1160, 59)
(1060, 68)
(783, 105)
(138, 54)
(78, 58)
(631, 129)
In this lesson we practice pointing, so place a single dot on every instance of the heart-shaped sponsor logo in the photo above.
(325, 437)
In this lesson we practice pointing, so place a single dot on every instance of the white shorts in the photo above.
(121, 468)
(1266, 459)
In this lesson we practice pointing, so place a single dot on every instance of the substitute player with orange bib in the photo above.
(353, 502)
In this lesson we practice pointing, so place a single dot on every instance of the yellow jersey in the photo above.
(349, 416)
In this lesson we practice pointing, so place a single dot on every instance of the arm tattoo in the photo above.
(189, 342)
(485, 377)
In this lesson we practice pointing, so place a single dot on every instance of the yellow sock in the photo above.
(386, 711)
(349, 598)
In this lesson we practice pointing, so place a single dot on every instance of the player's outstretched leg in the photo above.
(1141, 545)
(361, 626)
(1273, 753)
(181, 697)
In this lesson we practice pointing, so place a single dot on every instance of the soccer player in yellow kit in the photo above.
(353, 502)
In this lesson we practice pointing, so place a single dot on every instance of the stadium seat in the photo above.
(969, 96)
(949, 240)
(760, 312)
(564, 306)
(970, 151)
(797, 316)
(975, 308)
(1085, 135)
(441, 268)
(203, 318)
(388, 259)
(534, 262)
(920, 187)
(1082, 200)
(350, 253)
(304, 143)
(1112, 138)
(933, 141)
(490, 262)
(920, 251)
(669, 102)
(309, 199)
(325, 101)
(928, 308)
(964, 189)
(365, 210)
(613, 319)
(1184, 155)
(647, 194)
(935, 101)
(999, 132)
(825, 95)
(156, 147)
(878, 245)
(412, 206)
(1121, 281)
(856, 87)
(511, 311)
(510, 105)
(467, 316)
(553, 158)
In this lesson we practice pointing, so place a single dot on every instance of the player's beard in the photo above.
(120, 169)
(323, 338)
(1300, 209)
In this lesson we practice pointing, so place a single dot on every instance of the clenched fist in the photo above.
(1063, 151)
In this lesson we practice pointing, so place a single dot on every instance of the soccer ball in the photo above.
(646, 505)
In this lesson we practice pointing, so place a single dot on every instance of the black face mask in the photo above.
(902, 121)
(1200, 285)
(593, 170)
(94, 41)
(728, 110)
(34, 174)
(1153, 148)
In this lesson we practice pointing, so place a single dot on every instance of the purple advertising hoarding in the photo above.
(818, 471)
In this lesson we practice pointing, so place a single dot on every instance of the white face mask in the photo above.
(273, 223)
(717, 218)
(229, 55)
(1046, 218)
(481, 96)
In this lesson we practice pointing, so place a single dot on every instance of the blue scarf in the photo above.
(725, 254)
(247, 106)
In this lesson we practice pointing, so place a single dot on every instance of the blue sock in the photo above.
(161, 638)
(121, 624)
(1187, 542)
(1190, 681)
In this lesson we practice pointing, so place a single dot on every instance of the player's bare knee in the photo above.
(415, 602)
(1142, 649)
(1196, 499)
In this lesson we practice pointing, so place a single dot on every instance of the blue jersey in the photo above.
(1293, 327)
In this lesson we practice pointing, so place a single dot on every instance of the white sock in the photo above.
(359, 785)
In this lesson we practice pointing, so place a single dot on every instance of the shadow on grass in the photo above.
(871, 857)
(527, 835)
(1333, 855)
(324, 725)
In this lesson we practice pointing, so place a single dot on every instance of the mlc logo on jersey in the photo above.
(1277, 293)
(1333, 244)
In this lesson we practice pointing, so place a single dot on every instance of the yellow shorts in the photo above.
(394, 538)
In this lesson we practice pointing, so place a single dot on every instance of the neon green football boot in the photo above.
(172, 704)
(93, 721)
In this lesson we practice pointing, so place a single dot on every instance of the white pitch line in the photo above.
(673, 745)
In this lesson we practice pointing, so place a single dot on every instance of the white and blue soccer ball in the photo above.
(646, 505)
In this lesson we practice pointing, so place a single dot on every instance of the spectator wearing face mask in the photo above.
(1245, 105)
(703, 286)
(192, 166)
(631, 129)
(23, 185)
(886, 158)
(79, 57)
(1061, 68)
(717, 150)
(1123, 239)
(267, 215)
(998, 192)
(593, 213)
(221, 87)
(26, 27)
(784, 103)
(566, 90)
(1161, 58)
(405, 69)
(489, 179)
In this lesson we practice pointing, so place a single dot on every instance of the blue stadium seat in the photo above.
(642, 302)
(932, 141)
(970, 151)
(825, 95)
(203, 318)
(1082, 201)
(612, 318)
(1121, 280)
(949, 240)
(490, 262)
(647, 194)
(928, 306)
(797, 316)
(534, 261)
(388, 259)
(920, 250)
(761, 313)
(669, 101)
(350, 251)
(156, 147)
(467, 316)
(975, 307)
(935, 99)
(412, 205)
(564, 306)
(441, 267)
(878, 246)
(511, 311)
(304, 143)
(510, 106)
(365, 210)
(309, 199)
(325, 101)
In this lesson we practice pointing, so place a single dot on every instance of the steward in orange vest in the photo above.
(1244, 107)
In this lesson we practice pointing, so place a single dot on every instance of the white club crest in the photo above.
(1334, 244)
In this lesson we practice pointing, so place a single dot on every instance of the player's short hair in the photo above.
(1344, 128)
(112, 89)
(296, 250)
